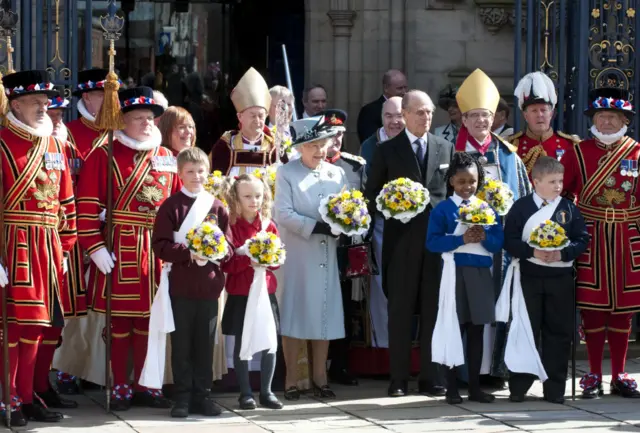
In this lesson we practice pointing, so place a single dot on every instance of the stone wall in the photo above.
(351, 43)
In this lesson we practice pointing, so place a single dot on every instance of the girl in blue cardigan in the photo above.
(473, 248)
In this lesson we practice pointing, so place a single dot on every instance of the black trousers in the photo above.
(192, 347)
(475, 334)
(551, 309)
(339, 349)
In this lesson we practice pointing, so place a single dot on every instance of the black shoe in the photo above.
(180, 410)
(492, 382)
(343, 377)
(397, 388)
(618, 389)
(37, 412)
(270, 402)
(516, 398)
(68, 388)
(323, 391)
(54, 400)
(149, 398)
(17, 419)
(247, 402)
(481, 397)
(453, 398)
(292, 393)
(120, 405)
(591, 393)
(206, 407)
(431, 390)
(555, 400)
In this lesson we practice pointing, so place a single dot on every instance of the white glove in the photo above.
(103, 215)
(4, 280)
(103, 260)
(65, 266)
(242, 251)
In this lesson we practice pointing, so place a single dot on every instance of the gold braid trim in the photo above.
(530, 158)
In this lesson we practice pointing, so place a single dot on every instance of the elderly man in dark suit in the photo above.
(394, 83)
(410, 273)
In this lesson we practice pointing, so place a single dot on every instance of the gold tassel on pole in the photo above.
(110, 115)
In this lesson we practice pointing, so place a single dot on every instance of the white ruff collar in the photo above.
(608, 139)
(188, 193)
(153, 142)
(84, 113)
(63, 134)
(44, 130)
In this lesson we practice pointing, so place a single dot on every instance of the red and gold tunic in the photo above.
(85, 135)
(531, 147)
(39, 223)
(609, 271)
(74, 298)
(142, 180)
(233, 154)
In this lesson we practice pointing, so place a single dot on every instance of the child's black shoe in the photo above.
(481, 397)
(453, 398)
(247, 402)
(180, 410)
(151, 398)
(206, 407)
(270, 401)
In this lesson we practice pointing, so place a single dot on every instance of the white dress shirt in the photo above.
(539, 200)
(414, 145)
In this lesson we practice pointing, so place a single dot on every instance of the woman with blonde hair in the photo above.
(178, 129)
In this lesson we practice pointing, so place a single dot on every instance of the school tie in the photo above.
(465, 202)
(544, 203)
(420, 151)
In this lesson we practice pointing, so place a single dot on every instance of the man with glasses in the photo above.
(478, 99)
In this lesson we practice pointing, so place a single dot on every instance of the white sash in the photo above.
(161, 320)
(446, 342)
(259, 327)
(521, 353)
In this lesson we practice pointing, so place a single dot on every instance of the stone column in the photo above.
(342, 16)
(397, 33)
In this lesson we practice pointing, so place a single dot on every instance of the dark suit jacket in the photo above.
(405, 261)
(370, 118)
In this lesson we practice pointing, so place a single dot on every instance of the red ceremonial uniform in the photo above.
(142, 180)
(233, 154)
(85, 135)
(531, 147)
(40, 226)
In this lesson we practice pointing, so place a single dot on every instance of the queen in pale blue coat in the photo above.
(311, 300)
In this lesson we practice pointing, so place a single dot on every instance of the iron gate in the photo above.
(580, 44)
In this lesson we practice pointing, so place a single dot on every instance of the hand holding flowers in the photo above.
(548, 236)
(402, 199)
(346, 213)
(207, 243)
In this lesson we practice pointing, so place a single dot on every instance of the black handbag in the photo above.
(357, 261)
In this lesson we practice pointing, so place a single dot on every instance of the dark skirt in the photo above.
(475, 295)
(233, 316)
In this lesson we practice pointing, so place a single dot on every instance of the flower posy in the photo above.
(266, 249)
(207, 241)
(548, 235)
(214, 185)
(269, 175)
(498, 195)
(477, 212)
(346, 213)
(402, 199)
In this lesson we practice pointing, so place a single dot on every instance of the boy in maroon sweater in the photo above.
(194, 287)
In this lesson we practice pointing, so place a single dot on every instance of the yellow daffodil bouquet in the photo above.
(207, 242)
(265, 249)
(402, 199)
(477, 212)
(215, 185)
(498, 195)
(269, 176)
(549, 236)
(346, 213)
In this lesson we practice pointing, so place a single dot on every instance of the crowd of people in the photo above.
(455, 303)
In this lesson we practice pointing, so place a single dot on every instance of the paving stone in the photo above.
(390, 414)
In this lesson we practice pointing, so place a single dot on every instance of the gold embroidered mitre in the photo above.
(478, 91)
(251, 91)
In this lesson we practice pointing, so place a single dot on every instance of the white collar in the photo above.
(305, 115)
(151, 143)
(64, 133)
(608, 139)
(383, 135)
(44, 130)
(458, 200)
(538, 200)
(499, 129)
(413, 138)
(188, 193)
(82, 109)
